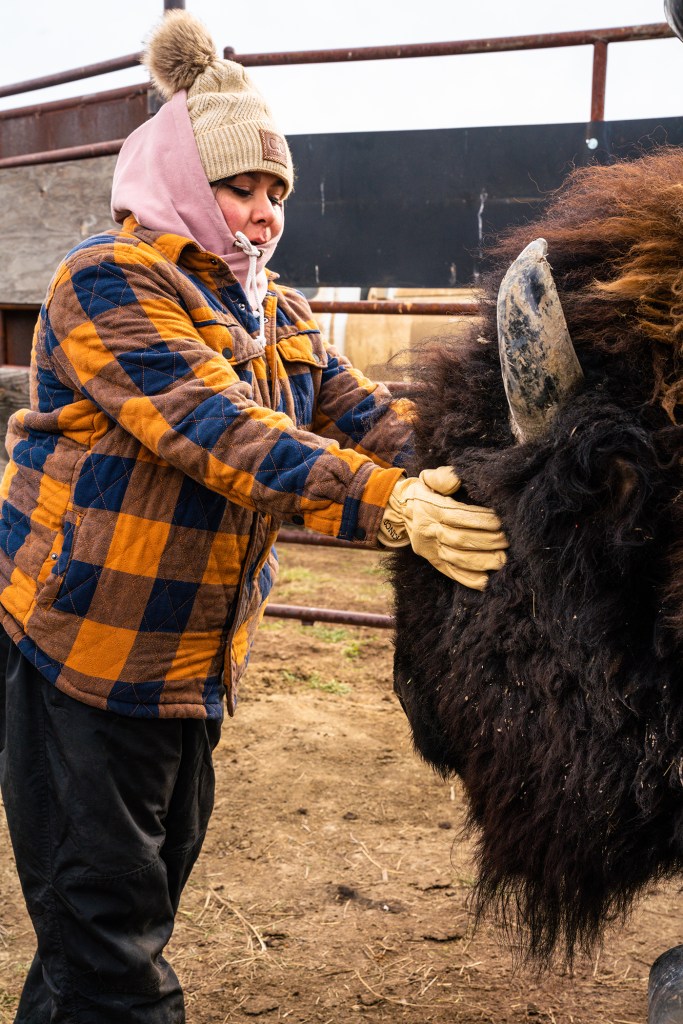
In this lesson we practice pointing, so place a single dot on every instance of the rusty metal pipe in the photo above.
(104, 67)
(457, 47)
(467, 308)
(503, 43)
(128, 92)
(52, 156)
(286, 536)
(598, 38)
(309, 616)
(599, 81)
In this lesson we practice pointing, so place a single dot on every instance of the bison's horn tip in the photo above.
(539, 365)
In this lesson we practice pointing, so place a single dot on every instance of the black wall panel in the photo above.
(410, 208)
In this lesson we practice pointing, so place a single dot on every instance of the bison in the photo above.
(557, 694)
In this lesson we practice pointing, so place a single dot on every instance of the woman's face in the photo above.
(252, 203)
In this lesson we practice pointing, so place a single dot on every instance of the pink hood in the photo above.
(159, 178)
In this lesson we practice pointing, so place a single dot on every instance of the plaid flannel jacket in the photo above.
(163, 448)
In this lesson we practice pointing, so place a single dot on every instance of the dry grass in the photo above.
(333, 885)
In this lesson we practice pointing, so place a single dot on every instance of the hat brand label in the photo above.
(273, 146)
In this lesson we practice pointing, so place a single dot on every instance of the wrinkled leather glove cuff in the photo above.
(392, 531)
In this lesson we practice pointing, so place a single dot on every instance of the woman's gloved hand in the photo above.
(462, 541)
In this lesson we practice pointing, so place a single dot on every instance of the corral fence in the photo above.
(599, 39)
(104, 109)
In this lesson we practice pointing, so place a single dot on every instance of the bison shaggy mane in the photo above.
(557, 693)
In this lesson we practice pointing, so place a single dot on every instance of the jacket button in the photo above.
(359, 533)
(298, 520)
(54, 556)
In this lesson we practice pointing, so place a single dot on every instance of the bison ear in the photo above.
(539, 365)
(673, 11)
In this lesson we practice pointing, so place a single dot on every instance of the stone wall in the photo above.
(46, 210)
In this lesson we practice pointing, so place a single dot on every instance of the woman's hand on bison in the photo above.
(462, 541)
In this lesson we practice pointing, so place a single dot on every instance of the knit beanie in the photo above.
(232, 124)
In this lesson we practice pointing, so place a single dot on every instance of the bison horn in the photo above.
(539, 364)
(673, 11)
(665, 988)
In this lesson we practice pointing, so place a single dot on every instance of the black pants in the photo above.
(107, 816)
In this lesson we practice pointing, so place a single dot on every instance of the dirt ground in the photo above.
(333, 885)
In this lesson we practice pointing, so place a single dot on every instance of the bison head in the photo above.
(557, 694)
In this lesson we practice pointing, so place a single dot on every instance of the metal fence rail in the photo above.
(104, 67)
(310, 615)
(364, 306)
(54, 156)
(599, 39)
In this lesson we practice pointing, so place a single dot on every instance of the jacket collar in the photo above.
(179, 250)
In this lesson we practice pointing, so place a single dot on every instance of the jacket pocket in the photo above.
(216, 332)
(303, 348)
(59, 561)
(303, 357)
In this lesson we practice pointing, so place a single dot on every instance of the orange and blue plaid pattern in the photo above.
(163, 448)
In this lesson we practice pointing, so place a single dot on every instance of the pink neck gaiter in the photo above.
(159, 178)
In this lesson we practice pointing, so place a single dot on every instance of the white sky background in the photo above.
(38, 37)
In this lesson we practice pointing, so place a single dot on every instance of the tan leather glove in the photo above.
(462, 541)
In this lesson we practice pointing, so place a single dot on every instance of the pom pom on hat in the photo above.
(232, 124)
(178, 51)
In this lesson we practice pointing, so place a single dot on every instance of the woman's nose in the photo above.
(263, 211)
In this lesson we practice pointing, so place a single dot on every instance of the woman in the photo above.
(183, 406)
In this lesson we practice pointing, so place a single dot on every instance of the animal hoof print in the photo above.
(665, 988)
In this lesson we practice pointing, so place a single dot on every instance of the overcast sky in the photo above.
(38, 37)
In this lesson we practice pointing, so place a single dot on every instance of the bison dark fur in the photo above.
(557, 693)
